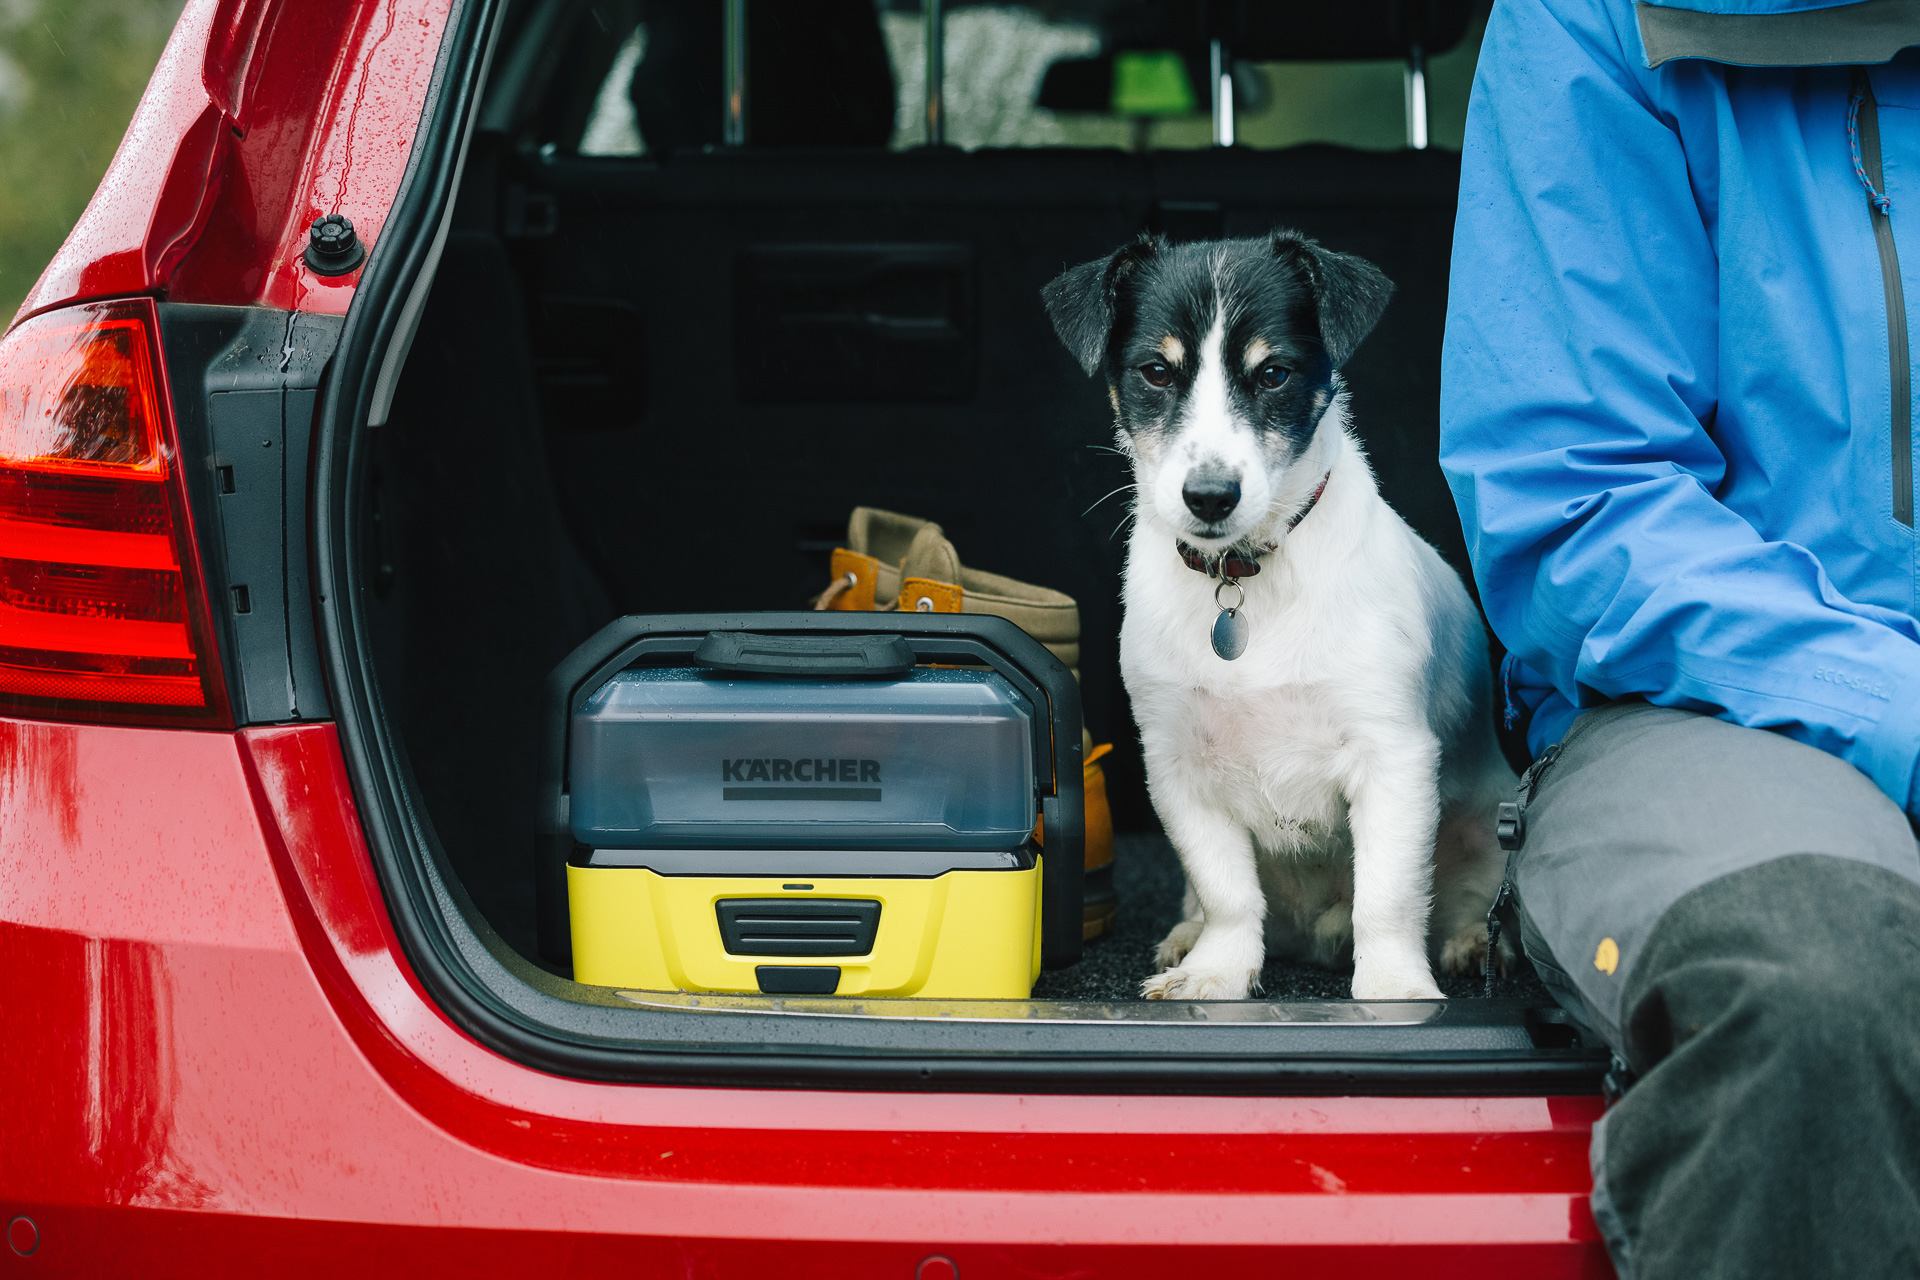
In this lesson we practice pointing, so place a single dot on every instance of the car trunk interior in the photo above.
(659, 383)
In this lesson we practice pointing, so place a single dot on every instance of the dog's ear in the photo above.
(1350, 293)
(1081, 300)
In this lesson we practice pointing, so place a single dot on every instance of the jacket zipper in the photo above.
(1898, 359)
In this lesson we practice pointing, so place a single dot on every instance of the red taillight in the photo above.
(102, 610)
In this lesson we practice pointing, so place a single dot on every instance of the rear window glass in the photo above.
(998, 58)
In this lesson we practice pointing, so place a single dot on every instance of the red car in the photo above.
(297, 513)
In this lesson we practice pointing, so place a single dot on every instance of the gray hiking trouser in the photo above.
(1739, 916)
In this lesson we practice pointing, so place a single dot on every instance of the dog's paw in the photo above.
(1174, 947)
(1200, 984)
(1465, 953)
(1387, 982)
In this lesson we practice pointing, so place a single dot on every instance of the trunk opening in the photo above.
(645, 384)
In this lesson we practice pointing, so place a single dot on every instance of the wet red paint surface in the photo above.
(262, 116)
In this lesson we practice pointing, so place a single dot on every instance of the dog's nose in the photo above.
(1211, 496)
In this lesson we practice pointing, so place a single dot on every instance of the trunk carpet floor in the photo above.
(1148, 881)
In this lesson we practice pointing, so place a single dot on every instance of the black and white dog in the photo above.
(1310, 678)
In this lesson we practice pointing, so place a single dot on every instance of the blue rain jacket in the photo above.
(1667, 408)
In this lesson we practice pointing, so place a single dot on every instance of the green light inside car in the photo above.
(1151, 82)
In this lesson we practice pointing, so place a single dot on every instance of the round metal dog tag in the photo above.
(1230, 632)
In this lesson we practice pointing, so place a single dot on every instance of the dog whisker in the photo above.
(1097, 501)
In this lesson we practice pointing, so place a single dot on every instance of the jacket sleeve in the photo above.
(1578, 388)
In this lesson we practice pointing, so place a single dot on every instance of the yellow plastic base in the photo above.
(963, 935)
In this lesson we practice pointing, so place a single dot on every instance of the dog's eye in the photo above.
(1270, 377)
(1157, 373)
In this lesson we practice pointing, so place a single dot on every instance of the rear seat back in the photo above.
(818, 330)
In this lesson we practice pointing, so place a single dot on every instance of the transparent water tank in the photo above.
(693, 758)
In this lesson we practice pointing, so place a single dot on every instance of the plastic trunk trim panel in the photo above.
(244, 383)
(1406, 1013)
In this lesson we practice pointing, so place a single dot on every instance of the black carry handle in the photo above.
(957, 638)
(757, 655)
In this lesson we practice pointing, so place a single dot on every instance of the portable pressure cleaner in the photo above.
(813, 804)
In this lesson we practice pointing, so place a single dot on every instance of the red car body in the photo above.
(220, 1061)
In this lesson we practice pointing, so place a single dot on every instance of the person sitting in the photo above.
(1677, 421)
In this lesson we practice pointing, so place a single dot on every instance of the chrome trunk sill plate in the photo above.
(1380, 1013)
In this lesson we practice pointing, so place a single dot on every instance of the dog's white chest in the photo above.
(1275, 759)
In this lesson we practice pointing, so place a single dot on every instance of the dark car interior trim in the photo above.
(245, 384)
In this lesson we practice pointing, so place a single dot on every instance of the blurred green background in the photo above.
(71, 72)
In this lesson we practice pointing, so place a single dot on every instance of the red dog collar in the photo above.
(1242, 560)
